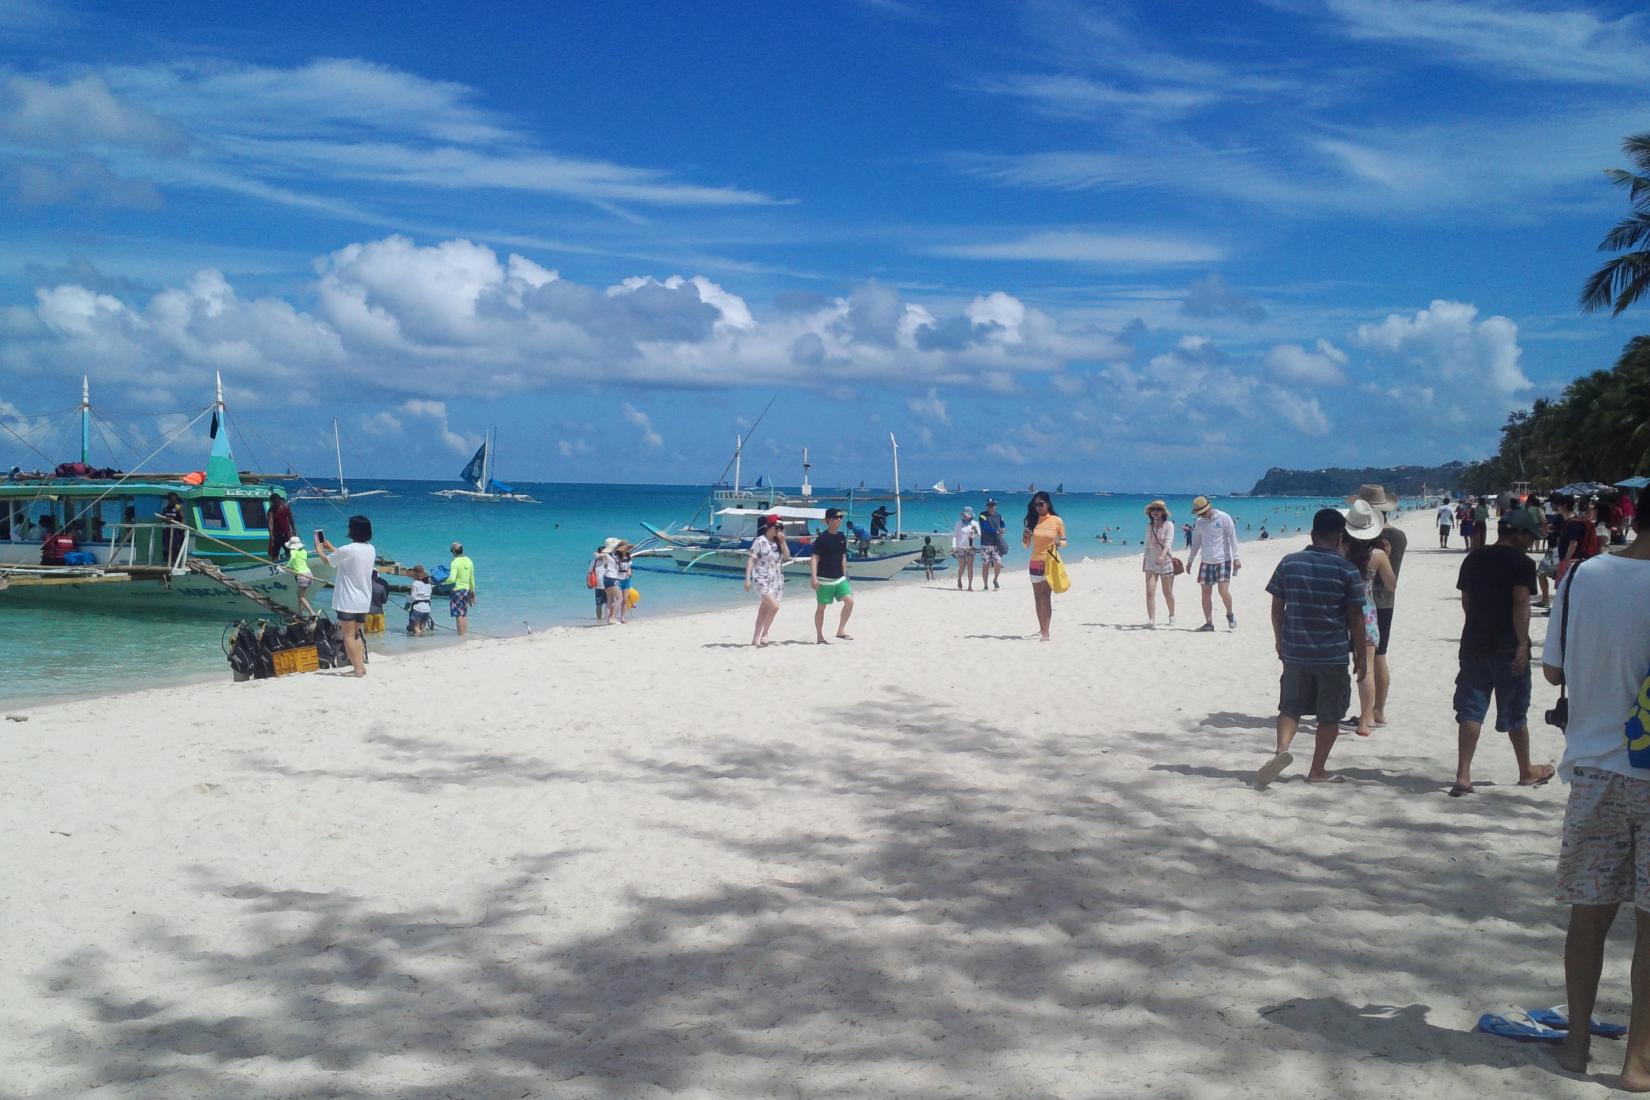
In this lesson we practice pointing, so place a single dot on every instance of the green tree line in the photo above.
(1597, 430)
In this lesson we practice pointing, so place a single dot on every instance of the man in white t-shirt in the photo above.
(352, 587)
(1598, 647)
(1446, 521)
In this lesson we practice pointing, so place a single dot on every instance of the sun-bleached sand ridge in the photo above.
(942, 860)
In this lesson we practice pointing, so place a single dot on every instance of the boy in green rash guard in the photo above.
(462, 574)
(298, 561)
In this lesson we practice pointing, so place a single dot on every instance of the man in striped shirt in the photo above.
(1317, 609)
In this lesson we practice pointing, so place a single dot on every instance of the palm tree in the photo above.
(1625, 279)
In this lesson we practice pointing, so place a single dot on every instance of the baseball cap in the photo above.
(1520, 520)
(833, 513)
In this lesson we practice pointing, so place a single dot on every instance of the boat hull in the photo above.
(689, 559)
(183, 594)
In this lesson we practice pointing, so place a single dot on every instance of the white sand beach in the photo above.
(941, 860)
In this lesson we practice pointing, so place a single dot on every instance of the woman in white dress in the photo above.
(765, 570)
(1158, 560)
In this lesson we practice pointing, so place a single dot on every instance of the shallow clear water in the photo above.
(530, 568)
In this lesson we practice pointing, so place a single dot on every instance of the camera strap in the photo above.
(1564, 624)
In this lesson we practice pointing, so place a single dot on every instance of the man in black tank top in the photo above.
(828, 567)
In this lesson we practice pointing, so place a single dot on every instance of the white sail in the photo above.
(939, 486)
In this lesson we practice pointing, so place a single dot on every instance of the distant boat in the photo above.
(478, 472)
(1060, 489)
(939, 487)
(1032, 488)
(316, 492)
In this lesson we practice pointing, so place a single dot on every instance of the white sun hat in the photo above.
(1362, 520)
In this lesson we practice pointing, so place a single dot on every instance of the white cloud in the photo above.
(932, 406)
(1463, 369)
(1326, 366)
(381, 423)
(1083, 247)
(650, 438)
(1508, 40)
(572, 448)
(1305, 413)
(404, 320)
(436, 411)
(80, 113)
(1007, 452)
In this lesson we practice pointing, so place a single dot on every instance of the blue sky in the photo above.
(1137, 246)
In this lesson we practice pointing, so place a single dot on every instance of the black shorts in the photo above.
(1383, 620)
(1321, 690)
(350, 616)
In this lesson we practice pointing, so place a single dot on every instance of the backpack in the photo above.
(590, 580)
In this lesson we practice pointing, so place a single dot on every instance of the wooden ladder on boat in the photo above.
(245, 591)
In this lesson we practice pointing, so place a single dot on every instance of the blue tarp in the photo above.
(499, 487)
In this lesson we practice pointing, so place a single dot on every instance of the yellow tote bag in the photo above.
(1058, 579)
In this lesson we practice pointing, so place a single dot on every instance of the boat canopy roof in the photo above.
(142, 485)
(781, 511)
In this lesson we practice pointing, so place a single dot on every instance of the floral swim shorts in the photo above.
(1605, 859)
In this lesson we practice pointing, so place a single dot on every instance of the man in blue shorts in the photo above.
(828, 570)
(462, 574)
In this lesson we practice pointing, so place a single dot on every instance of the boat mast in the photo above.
(807, 489)
(487, 459)
(899, 518)
(338, 449)
(85, 420)
(738, 454)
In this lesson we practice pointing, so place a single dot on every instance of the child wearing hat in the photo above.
(298, 561)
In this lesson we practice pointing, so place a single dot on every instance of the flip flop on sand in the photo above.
(1559, 1018)
(1518, 1025)
(1327, 779)
(1460, 789)
(1273, 768)
(1543, 774)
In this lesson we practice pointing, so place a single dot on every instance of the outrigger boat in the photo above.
(317, 492)
(723, 545)
(479, 473)
(129, 558)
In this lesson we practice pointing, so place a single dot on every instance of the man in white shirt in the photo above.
(1446, 520)
(1215, 535)
(1598, 647)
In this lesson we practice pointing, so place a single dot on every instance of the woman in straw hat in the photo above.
(1366, 550)
(1158, 561)
(765, 571)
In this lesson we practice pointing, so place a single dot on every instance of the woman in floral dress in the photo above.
(764, 570)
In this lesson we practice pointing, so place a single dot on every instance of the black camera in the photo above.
(1560, 714)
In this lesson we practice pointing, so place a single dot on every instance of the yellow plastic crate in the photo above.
(303, 658)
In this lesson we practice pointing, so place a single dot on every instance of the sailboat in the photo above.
(478, 472)
(939, 487)
(1060, 489)
(317, 492)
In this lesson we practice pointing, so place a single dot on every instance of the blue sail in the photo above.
(499, 487)
(472, 472)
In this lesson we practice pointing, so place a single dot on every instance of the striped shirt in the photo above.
(1317, 587)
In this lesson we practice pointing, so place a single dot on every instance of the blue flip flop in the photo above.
(1560, 1018)
(1518, 1025)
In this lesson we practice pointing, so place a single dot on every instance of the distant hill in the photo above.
(1337, 482)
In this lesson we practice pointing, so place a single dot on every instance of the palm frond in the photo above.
(1638, 187)
(1617, 284)
(1637, 148)
(1628, 233)
(1636, 285)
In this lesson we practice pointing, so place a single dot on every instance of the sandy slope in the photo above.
(941, 861)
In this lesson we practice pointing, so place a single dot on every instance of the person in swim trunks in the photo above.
(828, 570)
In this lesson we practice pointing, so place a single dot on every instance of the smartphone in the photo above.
(320, 537)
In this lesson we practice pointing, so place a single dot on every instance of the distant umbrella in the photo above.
(1634, 483)
(1584, 489)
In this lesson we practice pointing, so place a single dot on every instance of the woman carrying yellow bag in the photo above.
(1045, 533)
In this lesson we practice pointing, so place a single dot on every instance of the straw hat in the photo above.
(1362, 520)
(610, 545)
(1376, 496)
(1157, 504)
(1200, 505)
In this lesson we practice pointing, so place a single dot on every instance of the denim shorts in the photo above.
(1479, 678)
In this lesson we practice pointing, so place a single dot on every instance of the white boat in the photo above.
(479, 473)
(728, 549)
(318, 492)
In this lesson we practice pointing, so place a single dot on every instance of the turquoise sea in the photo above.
(530, 560)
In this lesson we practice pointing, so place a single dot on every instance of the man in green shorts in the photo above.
(828, 568)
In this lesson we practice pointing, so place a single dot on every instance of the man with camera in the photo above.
(1598, 650)
(1496, 582)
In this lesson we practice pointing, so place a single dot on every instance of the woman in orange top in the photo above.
(1043, 532)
